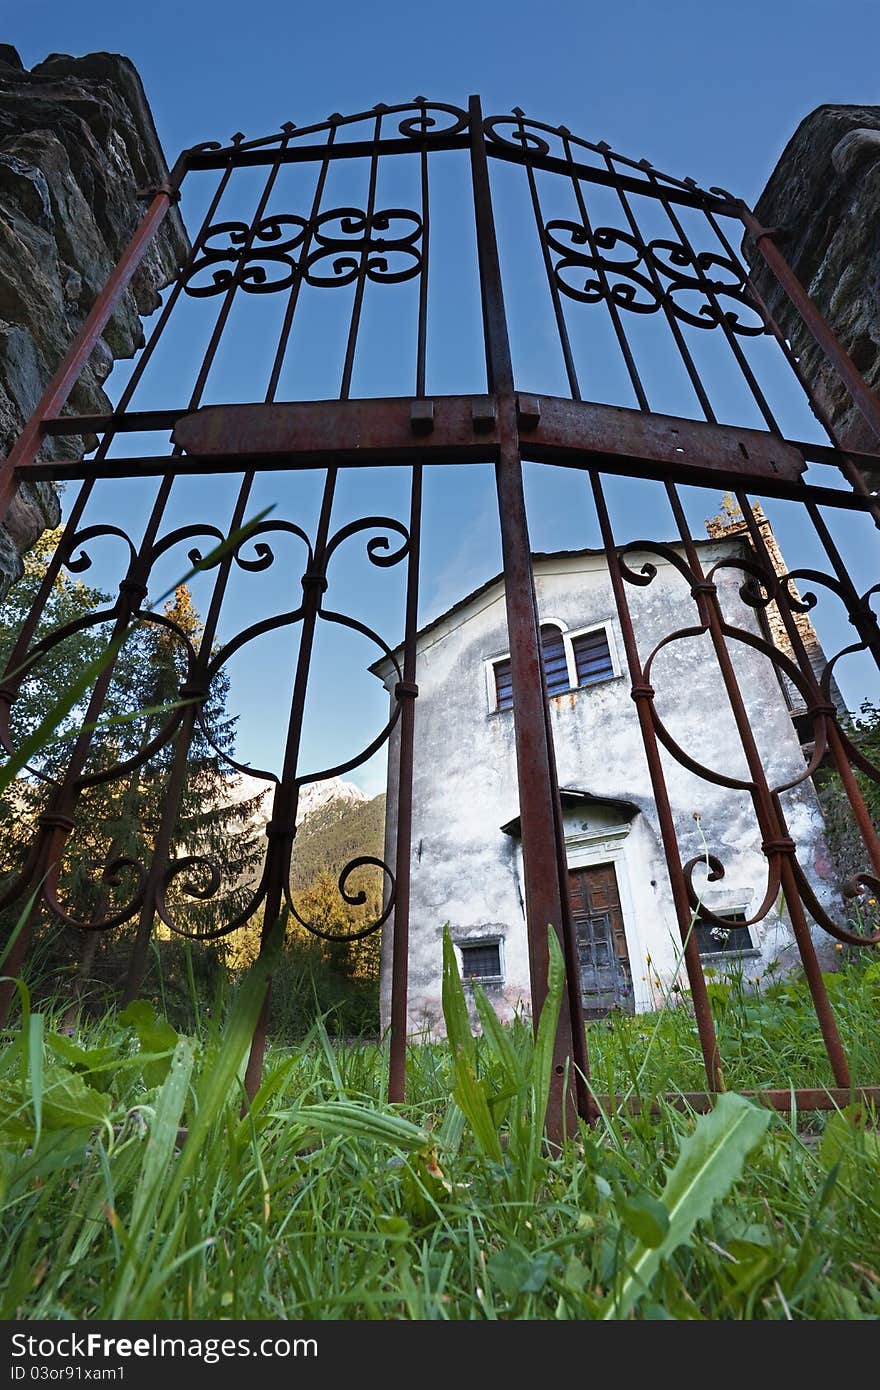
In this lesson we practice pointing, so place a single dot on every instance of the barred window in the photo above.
(481, 960)
(731, 938)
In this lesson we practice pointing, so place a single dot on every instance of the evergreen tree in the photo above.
(122, 818)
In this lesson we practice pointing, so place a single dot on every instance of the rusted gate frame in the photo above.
(503, 427)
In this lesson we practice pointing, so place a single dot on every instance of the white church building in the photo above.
(466, 866)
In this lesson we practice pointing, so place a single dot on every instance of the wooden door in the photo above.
(606, 980)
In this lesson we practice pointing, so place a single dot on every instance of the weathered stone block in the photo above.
(77, 149)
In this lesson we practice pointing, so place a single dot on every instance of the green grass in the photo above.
(322, 1202)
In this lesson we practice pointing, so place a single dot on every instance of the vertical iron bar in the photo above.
(623, 342)
(177, 777)
(184, 737)
(543, 842)
(643, 695)
(641, 692)
(773, 832)
(282, 827)
(406, 692)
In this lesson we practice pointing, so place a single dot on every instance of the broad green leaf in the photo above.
(98, 1063)
(66, 1103)
(514, 1271)
(709, 1162)
(69, 1103)
(645, 1218)
(155, 1035)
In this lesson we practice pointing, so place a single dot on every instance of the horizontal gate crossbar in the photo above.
(191, 465)
(460, 429)
(815, 1098)
(591, 173)
(551, 429)
(303, 154)
(145, 421)
(364, 149)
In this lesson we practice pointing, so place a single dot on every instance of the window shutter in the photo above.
(503, 685)
(592, 657)
(553, 660)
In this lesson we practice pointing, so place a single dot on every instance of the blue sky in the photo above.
(700, 89)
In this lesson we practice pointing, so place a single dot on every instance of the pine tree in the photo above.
(121, 818)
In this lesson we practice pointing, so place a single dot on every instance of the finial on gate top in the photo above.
(423, 100)
(288, 127)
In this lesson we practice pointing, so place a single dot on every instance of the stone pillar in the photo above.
(78, 149)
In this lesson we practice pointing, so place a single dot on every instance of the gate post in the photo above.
(544, 865)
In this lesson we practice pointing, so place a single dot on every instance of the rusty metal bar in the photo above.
(282, 826)
(643, 695)
(407, 691)
(787, 1102)
(540, 807)
(54, 398)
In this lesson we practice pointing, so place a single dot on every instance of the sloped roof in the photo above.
(537, 557)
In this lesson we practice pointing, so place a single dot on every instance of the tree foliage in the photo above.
(122, 819)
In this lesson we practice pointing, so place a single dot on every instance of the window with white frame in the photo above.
(481, 960)
(570, 661)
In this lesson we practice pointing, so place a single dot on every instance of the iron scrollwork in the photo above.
(761, 587)
(645, 277)
(326, 252)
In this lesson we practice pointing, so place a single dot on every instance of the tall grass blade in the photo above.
(546, 1036)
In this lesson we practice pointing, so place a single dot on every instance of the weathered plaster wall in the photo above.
(465, 871)
(77, 147)
(825, 193)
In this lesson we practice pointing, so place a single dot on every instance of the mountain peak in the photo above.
(314, 796)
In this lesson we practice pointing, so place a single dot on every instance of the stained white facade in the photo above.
(466, 856)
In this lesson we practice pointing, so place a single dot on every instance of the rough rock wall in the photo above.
(77, 147)
(825, 193)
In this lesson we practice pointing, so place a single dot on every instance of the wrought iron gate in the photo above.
(668, 256)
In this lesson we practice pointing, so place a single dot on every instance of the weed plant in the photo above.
(133, 1186)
